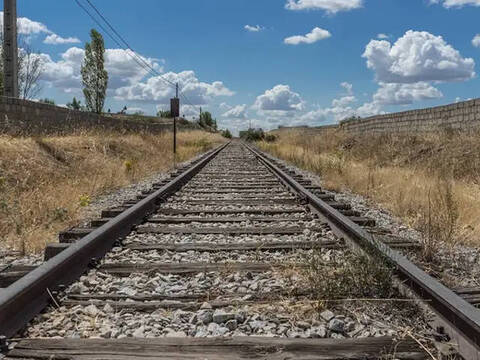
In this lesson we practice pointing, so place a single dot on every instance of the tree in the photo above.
(94, 75)
(206, 119)
(75, 104)
(30, 69)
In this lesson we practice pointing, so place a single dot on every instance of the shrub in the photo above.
(227, 134)
(270, 138)
(252, 135)
(348, 276)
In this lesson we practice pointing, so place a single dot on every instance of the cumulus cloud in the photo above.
(315, 35)
(122, 69)
(237, 112)
(156, 89)
(279, 99)
(65, 73)
(348, 87)
(382, 36)
(330, 6)
(456, 3)
(54, 39)
(476, 40)
(340, 109)
(403, 94)
(417, 56)
(253, 28)
(25, 26)
(28, 27)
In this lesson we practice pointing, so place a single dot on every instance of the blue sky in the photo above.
(271, 71)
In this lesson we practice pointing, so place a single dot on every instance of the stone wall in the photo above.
(463, 116)
(28, 118)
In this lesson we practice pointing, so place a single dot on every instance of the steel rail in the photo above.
(27, 297)
(459, 319)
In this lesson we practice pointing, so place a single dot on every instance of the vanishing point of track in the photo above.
(254, 205)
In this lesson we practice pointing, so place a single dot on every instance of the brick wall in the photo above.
(463, 116)
(28, 118)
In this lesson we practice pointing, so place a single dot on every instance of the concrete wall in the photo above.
(28, 118)
(459, 116)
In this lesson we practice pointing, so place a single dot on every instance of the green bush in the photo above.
(227, 134)
(252, 135)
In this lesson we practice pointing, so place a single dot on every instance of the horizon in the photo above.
(273, 63)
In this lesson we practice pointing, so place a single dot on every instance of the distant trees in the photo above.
(257, 135)
(207, 120)
(75, 104)
(164, 114)
(47, 101)
(227, 134)
(94, 75)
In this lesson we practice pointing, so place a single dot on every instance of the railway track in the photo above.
(211, 265)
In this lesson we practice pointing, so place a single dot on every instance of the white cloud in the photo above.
(456, 3)
(122, 69)
(237, 112)
(382, 36)
(476, 40)
(54, 39)
(65, 73)
(28, 27)
(25, 26)
(403, 94)
(330, 6)
(315, 35)
(340, 109)
(253, 28)
(417, 56)
(156, 89)
(369, 109)
(348, 87)
(279, 99)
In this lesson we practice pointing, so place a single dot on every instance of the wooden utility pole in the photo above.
(10, 48)
(175, 111)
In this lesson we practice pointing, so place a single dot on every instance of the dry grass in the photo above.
(430, 181)
(347, 277)
(45, 182)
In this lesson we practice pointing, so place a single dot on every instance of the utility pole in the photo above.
(175, 111)
(10, 48)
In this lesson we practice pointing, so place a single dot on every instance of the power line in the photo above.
(125, 42)
(130, 48)
(137, 58)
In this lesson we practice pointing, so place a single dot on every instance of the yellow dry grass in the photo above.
(46, 182)
(429, 181)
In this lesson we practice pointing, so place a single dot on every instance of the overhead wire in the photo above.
(137, 58)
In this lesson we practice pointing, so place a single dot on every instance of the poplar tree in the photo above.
(94, 75)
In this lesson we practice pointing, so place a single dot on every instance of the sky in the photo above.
(266, 62)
